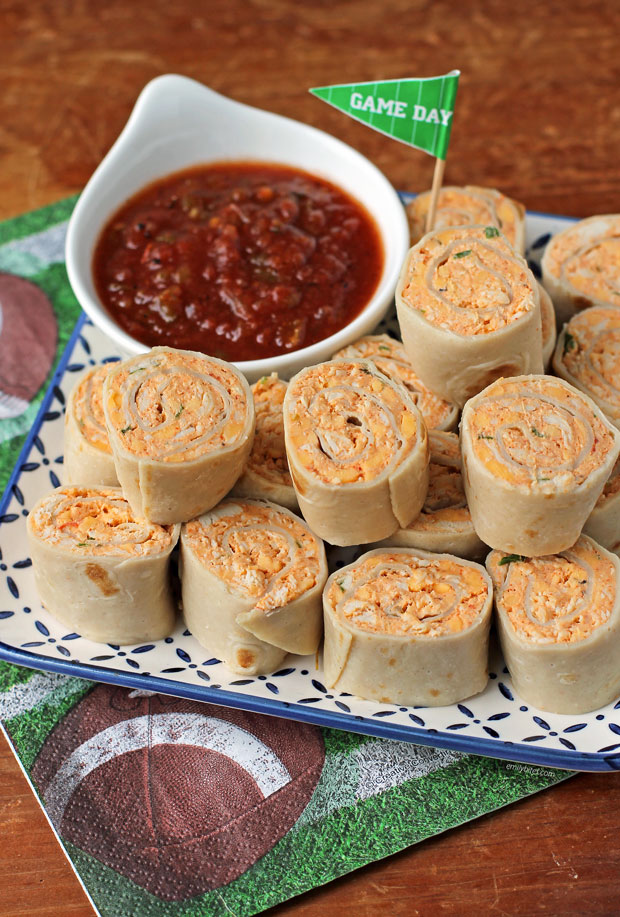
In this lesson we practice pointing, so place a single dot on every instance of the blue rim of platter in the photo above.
(502, 749)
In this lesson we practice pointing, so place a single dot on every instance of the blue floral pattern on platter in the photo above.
(494, 723)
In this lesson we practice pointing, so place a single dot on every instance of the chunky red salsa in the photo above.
(239, 260)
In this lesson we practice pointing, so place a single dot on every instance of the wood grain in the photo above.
(538, 116)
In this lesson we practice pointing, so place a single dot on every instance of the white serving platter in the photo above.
(495, 723)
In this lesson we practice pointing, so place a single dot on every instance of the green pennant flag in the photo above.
(416, 112)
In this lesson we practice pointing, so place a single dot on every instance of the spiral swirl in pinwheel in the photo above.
(470, 206)
(444, 525)
(266, 475)
(252, 575)
(357, 449)
(88, 456)
(181, 426)
(588, 356)
(536, 455)
(408, 627)
(581, 266)
(469, 311)
(99, 570)
(559, 625)
(389, 356)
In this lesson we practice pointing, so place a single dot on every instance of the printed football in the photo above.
(27, 342)
(180, 797)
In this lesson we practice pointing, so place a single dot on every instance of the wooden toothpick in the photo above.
(440, 165)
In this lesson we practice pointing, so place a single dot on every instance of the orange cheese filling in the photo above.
(468, 281)
(96, 521)
(560, 598)
(174, 406)
(591, 351)
(389, 356)
(258, 551)
(349, 422)
(268, 455)
(612, 486)
(467, 206)
(404, 595)
(588, 260)
(445, 506)
(88, 408)
(538, 430)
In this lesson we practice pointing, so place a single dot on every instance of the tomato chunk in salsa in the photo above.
(239, 260)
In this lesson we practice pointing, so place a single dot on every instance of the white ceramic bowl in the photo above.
(177, 123)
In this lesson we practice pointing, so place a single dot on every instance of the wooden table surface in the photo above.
(538, 116)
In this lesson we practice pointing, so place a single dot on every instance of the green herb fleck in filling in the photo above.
(569, 342)
(510, 559)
